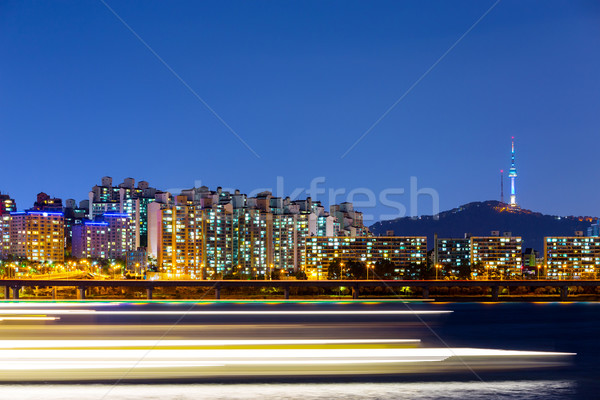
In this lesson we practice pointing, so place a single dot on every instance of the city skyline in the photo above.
(300, 84)
(210, 234)
(217, 198)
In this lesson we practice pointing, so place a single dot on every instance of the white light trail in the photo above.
(24, 344)
(212, 356)
(255, 356)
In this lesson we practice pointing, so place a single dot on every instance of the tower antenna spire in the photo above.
(512, 173)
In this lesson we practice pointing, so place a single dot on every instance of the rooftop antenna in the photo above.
(502, 186)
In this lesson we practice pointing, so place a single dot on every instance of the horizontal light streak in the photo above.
(24, 344)
(60, 364)
(41, 318)
(259, 356)
(43, 311)
(49, 355)
(59, 304)
(225, 312)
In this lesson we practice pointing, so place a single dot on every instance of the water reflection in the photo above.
(524, 390)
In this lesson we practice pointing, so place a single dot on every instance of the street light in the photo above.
(437, 267)
(341, 269)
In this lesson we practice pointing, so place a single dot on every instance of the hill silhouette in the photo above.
(480, 218)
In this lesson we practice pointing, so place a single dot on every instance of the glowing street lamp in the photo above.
(437, 268)
(370, 266)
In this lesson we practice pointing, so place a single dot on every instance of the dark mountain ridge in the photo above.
(480, 218)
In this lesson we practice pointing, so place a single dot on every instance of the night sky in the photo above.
(82, 97)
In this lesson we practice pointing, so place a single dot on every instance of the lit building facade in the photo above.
(203, 234)
(110, 238)
(90, 240)
(7, 204)
(137, 208)
(137, 261)
(37, 235)
(124, 198)
(46, 203)
(594, 229)
(497, 255)
(402, 251)
(290, 232)
(222, 240)
(98, 209)
(73, 216)
(176, 238)
(453, 254)
(4, 235)
(121, 235)
(350, 221)
(572, 257)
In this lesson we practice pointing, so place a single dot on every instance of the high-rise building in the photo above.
(351, 221)
(4, 235)
(572, 257)
(90, 240)
(7, 204)
(137, 261)
(208, 234)
(453, 254)
(250, 243)
(401, 251)
(74, 215)
(121, 235)
(175, 237)
(594, 229)
(497, 255)
(110, 237)
(124, 198)
(46, 203)
(37, 235)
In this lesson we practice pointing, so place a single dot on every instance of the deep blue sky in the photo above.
(81, 97)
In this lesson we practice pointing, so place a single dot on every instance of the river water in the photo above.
(547, 327)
